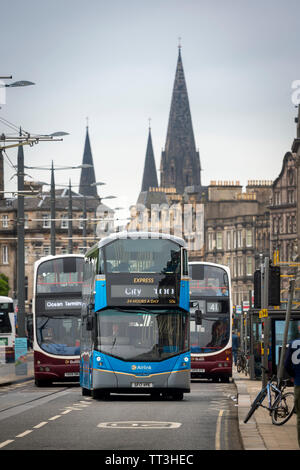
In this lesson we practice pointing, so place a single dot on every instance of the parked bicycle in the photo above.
(242, 363)
(280, 403)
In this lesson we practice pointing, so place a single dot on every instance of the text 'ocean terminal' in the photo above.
(62, 304)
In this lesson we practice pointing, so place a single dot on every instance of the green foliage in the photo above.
(4, 285)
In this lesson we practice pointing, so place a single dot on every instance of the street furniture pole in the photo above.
(286, 330)
(265, 302)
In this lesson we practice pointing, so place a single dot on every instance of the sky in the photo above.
(114, 62)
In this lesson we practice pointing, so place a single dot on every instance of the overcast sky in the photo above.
(114, 61)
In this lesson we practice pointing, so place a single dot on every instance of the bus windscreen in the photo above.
(61, 275)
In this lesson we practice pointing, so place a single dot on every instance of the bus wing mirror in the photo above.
(90, 317)
(89, 323)
(198, 317)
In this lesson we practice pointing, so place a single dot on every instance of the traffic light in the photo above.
(273, 287)
(257, 289)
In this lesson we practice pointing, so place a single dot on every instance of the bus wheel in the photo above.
(177, 396)
(225, 380)
(99, 394)
(155, 395)
(85, 392)
(42, 383)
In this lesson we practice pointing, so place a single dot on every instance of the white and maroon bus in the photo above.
(210, 321)
(56, 318)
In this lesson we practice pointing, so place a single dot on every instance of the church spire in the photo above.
(87, 176)
(150, 175)
(180, 162)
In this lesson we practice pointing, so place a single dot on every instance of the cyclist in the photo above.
(292, 365)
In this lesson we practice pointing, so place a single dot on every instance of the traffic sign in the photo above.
(263, 313)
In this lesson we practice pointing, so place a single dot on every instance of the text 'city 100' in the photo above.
(144, 291)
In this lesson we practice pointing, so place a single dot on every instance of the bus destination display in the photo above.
(150, 290)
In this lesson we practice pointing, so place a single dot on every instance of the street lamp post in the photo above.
(70, 225)
(21, 246)
(52, 211)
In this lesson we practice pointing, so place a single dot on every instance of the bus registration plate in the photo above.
(141, 384)
(71, 374)
(198, 370)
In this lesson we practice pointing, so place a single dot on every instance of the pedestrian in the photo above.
(292, 366)
(235, 346)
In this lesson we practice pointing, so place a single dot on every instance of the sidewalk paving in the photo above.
(259, 433)
(8, 373)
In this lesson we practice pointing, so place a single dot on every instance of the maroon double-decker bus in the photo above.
(57, 299)
(210, 321)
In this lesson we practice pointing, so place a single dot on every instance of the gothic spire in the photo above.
(87, 176)
(180, 162)
(150, 175)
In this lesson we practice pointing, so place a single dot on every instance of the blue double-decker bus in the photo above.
(135, 317)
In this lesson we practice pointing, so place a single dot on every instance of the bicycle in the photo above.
(281, 408)
(242, 363)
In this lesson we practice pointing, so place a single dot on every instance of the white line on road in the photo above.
(5, 443)
(40, 425)
(218, 430)
(54, 417)
(24, 433)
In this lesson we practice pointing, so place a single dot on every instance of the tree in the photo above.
(4, 285)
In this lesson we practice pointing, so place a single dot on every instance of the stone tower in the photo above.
(150, 175)
(87, 176)
(180, 161)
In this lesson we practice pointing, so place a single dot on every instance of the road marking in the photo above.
(139, 425)
(54, 417)
(24, 433)
(65, 412)
(218, 430)
(5, 443)
(40, 425)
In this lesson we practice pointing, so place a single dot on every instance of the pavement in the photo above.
(10, 373)
(257, 434)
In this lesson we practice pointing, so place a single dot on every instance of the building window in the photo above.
(291, 198)
(239, 239)
(240, 266)
(4, 254)
(210, 240)
(46, 221)
(46, 250)
(249, 238)
(5, 221)
(277, 197)
(219, 240)
(26, 254)
(64, 221)
(228, 238)
(249, 266)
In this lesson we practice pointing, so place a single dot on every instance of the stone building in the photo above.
(236, 226)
